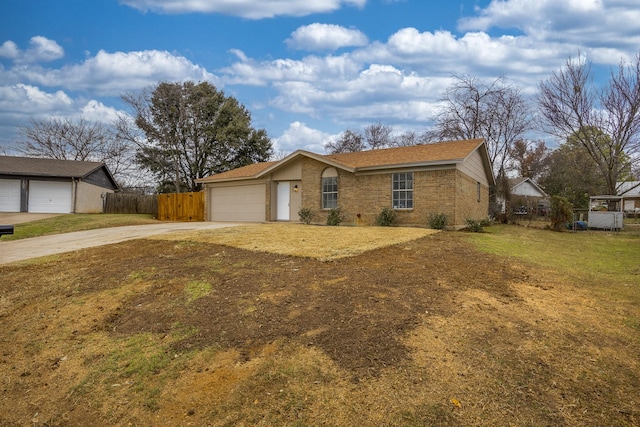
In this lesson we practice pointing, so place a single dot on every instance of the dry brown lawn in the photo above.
(319, 242)
(266, 325)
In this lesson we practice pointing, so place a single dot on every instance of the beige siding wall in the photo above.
(474, 167)
(88, 198)
(440, 191)
(289, 172)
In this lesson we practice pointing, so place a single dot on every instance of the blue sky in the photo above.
(306, 69)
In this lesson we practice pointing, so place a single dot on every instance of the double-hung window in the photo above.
(402, 193)
(329, 189)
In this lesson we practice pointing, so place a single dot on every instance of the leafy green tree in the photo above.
(571, 175)
(561, 213)
(190, 131)
(529, 159)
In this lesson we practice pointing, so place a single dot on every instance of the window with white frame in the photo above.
(402, 193)
(329, 188)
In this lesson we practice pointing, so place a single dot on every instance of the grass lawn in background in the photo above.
(76, 222)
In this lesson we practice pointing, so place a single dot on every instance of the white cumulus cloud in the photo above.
(28, 99)
(41, 49)
(325, 37)
(96, 111)
(611, 23)
(312, 68)
(9, 50)
(113, 73)
(251, 9)
(300, 136)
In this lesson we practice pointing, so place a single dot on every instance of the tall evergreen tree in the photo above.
(191, 131)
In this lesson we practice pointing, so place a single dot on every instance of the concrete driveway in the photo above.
(18, 250)
(10, 218)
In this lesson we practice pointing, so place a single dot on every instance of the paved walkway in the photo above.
(18, 250)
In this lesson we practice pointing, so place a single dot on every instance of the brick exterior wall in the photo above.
(467, 204)
(436, 191)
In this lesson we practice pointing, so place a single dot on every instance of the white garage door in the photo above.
(239, 203)
(49, 197)
(9, 195)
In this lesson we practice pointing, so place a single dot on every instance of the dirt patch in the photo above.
(357, 310)
(431, 326)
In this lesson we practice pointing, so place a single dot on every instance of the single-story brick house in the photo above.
(449, 177)
(53, 186)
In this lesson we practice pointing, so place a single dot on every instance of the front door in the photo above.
(283, 201)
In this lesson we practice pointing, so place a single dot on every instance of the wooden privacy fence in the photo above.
(125, 203)
(181, 207)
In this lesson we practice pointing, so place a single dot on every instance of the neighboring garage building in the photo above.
(53, 186)
(449, 177)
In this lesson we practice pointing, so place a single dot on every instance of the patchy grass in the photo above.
(508, 327)
(319, 242)
(75, 222)
(197, 289)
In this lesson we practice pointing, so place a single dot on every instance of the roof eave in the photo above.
(449, 162)
(215, 181)
(488, 166)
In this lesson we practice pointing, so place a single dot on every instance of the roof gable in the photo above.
(452, 152)
(522, 182)
(629, 188)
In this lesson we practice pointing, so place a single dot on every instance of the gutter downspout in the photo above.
(74, 183)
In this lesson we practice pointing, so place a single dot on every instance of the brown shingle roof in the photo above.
(425, 153)
(441, 152)
(28, 166)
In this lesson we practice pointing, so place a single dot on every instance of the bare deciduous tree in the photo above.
(406, 139)
(495, 111)
(65, 139)
(350, 141)
(604, 121)
(378, 135)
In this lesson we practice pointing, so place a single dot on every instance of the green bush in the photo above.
(334, 217)
(474, 225)
(561, 212)
(306, 215)
(438, 221)
(386, 217)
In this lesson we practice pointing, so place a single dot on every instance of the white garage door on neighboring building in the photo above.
(50, 197)
(9, 195)
(244, 203)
